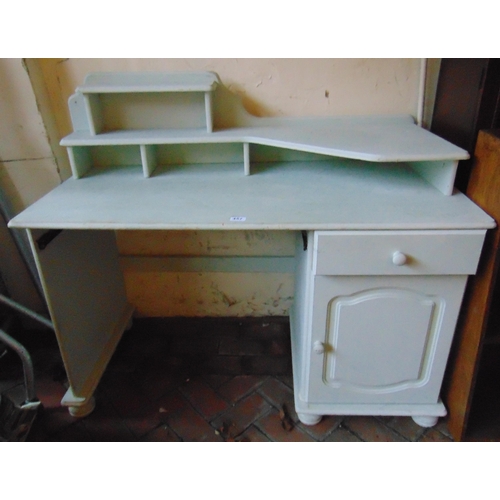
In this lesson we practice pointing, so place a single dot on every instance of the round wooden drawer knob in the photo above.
(399, 259)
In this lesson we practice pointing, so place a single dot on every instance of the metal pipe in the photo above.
(29, 373)
(24, 310)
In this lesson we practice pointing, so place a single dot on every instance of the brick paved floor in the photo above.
(196, 380)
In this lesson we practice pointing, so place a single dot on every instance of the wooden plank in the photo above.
(149, 160)
(331, 195)
(80, 159)
(85, 293)
(380, 139)
(483, 189)
(118, 82)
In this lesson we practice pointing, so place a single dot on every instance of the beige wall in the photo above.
(33, 104)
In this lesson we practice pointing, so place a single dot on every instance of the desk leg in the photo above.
(85, 293)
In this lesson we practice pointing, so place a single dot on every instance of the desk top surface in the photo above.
(322, 195)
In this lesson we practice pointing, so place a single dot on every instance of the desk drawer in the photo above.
(397, 252)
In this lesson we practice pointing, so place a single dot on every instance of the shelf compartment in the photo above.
(117, 101)
(167, 155)
(84, 158)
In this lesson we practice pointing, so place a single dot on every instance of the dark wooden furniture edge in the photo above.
(484, 190)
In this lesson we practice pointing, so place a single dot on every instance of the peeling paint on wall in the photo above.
(209, 294)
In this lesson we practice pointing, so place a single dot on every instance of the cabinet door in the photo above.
(381, 339)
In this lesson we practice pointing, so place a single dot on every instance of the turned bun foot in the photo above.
(83, 410)
(425, 421)
(308, 418)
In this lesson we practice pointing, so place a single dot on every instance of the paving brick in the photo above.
(278, 347)
(124, 363)
(223, 365)
(404, 426)
(162, 433)
(171, 403)
(158, 384)
(190, 426)
(434, 436)
(240, 386)
(286, 379)
(271, 426)
(203, 398)
(341, 435)
(279, 395)
(267, 365)
(53, 420)
(73, 433)
(253, 435)
(104, 425)
(143, 422)
(215, 381)
(129, 401)
(141, 340)
(238, 418)
(371, 429)
(323, 428)
(195, 344)
(241, 346)
(49, 392)
(146, 376)
(442, 426)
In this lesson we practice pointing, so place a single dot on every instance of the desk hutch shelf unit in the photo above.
(384, 243)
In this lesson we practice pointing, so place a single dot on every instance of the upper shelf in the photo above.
(101, 83)
(121, 100)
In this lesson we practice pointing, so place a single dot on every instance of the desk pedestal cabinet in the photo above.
(384, 243)
(374, 318)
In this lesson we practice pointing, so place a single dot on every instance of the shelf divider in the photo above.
(149, 159)
(80, 160)
(246, 157)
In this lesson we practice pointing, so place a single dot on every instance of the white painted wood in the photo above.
(120, 82)
(80, 160)
(85, 293)
(246, 158)
(440, 174)
(386, 139)
(309, 418)
(84, 407)
(94, 114)
(293, 196)
(209, 112)
(378, 139)
(149, 160)
(425, 420)
(314, 410)
(381, 256)
(415, 252)
(386, 338)
(101, 111)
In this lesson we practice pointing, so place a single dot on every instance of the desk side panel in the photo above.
(85, 293)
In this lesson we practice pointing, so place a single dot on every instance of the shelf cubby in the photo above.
(143, 101)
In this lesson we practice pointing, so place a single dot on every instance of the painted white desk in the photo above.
(384, 245)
